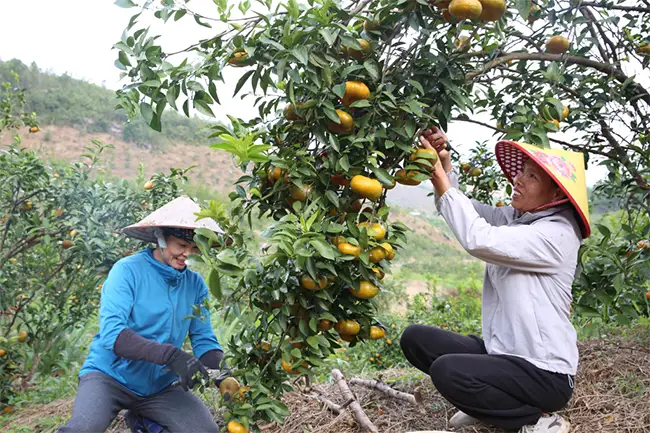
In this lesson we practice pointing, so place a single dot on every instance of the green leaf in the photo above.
(382, 176)
(372, 68)
(323, 248)
(360, 103)
(203, 107)
(125, 3)
(327, 35)
(301, 54)
(523, 6)
(242, 81)
(344, 163)
(333, 198)
(339, 90)
(228, 256)
(214, 283)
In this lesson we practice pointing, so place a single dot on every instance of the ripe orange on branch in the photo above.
(493, 10)
(557, 44)
(377, 254)
(366, 187)
(366, 290)
(358, 54)
(235, 427)
(375, 230)
(377, 333)
(465, 9)
(238, 58)
(349, 249)
(345, 125)
(308, 283)
(354, 91)
(347, 327)
(406, 178)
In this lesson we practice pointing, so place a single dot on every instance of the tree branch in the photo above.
(358, 413)
(622, 155)
(615, 7)
(554, 140)
(605, 68)
(590, 25)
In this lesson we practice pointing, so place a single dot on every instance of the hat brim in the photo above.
(511, 157)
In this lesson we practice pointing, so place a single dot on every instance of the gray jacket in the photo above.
(531, 263)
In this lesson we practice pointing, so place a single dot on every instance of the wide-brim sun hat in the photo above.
(178, 213)
(566, 168)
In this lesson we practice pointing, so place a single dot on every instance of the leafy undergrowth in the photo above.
(612, 395)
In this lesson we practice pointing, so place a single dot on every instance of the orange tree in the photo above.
(58, 239)
(342, 92)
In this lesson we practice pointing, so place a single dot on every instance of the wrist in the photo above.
(440, 180)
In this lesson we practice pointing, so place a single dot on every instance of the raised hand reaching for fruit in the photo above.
(438, 141)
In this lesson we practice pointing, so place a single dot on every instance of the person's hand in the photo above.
(185, 366)
(436, 139)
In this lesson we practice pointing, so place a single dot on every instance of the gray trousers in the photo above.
(100, 398)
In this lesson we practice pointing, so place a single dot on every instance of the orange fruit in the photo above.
(300, 194)
(235, 427)
(366, 187)
(3, 353)
(22, 336)
(367, 290)
(557, 44)
(238, 58)
(429, 154)
(647, 295)
(371, 25)
(406, 178)
(565, 112)
(475, 172)
(339, 180)
(325, 325)
(376, 230)
(492, 10)
(354, 91)
(376, 333)
(336, 240)
(347, 327)
(59, 212)
(345, 125)
(34, 129)
(377, 254)
(229, 385)
(290, 112)
(148, 185)
(349, 249)
(287, 367)
(500, 204)
(643, 49)
(27, 205)
(465, 9)
(359, 54)
(66, 244)
(643, 245)
(308, 282)
(390, 253)
(379, 273)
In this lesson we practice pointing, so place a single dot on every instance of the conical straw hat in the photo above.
(178, 213)
(566, 168)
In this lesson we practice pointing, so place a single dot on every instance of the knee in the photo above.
(443, 373)
(409, 337)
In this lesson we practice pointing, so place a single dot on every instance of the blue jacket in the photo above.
(152, 299)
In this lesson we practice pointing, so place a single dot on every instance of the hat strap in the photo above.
(551, 204)
(162, 243)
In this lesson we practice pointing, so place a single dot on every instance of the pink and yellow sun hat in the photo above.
(566, 168)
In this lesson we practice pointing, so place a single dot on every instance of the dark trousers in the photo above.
(501, 390)
(100, 398)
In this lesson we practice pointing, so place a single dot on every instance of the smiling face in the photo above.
(175, 255)
(533, 188)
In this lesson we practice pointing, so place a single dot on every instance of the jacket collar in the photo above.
(167, 272)
(530, 217)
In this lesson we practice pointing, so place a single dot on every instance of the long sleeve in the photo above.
(116, 304)
(533, 248)
(201, 333)
(494, 215)
(130, 345)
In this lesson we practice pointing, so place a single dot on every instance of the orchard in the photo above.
(342, 91)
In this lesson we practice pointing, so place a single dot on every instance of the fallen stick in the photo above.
(329, 403)
(357, 412)
(381, 386)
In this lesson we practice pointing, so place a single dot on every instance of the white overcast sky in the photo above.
(76, 37)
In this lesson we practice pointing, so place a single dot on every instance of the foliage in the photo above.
(356, 85)
(63, 100)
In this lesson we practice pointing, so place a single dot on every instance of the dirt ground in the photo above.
(612, 395)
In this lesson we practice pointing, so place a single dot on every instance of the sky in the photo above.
(76, 37)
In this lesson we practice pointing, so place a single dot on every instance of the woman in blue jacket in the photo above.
(136, 355)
